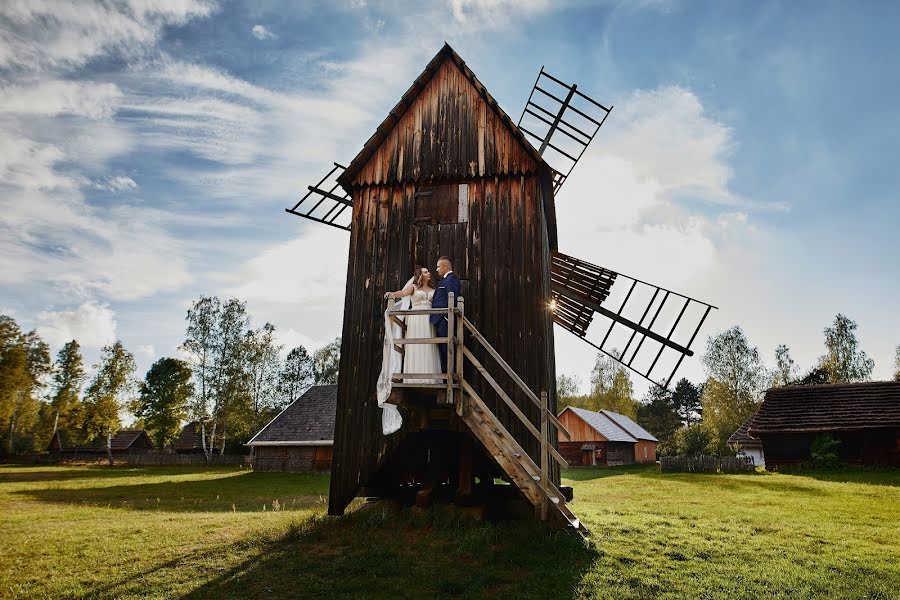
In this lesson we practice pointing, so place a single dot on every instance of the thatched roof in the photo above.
(834, 407)
(742, 438)
(308, 420)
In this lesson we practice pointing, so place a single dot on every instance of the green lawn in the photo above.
(219, 533)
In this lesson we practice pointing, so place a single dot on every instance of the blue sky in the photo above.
(147, 152)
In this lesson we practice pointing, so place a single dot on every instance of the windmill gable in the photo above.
(446, 127)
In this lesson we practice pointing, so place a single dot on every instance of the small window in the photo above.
(442, 204)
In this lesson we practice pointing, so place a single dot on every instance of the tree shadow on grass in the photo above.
(377, 553)
(591, 473)
(888, 476)
(25, 473)
(225, 491)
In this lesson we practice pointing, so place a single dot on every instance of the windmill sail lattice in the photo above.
(650, 329)
(325, 203)
(562, 126)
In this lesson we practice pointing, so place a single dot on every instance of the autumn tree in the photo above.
(611, 388)
(843, 361)
(567, 392)
(164, 399)
(24, 367)
(327, 362)
(296, 374)
(108, 392)
(736, 377)
(65, 402)
(785, 368)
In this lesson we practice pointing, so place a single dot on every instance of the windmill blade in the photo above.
(654, 327)
(563, 121)
(325, 203)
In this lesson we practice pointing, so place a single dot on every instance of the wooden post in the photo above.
(451, 346)
(458, 378)
(545, 456)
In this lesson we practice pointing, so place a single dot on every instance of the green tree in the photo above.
(843, 361)
(897, 365)
(785, 367)
(656, 413)
(263, 364)
(611, 387)
(327, 362)
(296, 374)
(736, 377)
(65, 403)
(692, 440)
(215, 341)
(164, 397)
(567, 388)
(107, 393)
(686, 400)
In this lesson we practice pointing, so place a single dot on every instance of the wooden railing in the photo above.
(457, 388)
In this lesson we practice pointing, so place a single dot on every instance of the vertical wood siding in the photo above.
(449, 132)
(506, 286)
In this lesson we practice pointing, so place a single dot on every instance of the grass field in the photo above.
(219, 533)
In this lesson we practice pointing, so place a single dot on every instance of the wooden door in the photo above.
(434, 240)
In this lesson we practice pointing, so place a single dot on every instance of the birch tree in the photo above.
(296, 374)
(68, 377)
(843, 361)
(785, 368)
(112, 386)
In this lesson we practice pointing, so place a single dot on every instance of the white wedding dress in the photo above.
(421, 358)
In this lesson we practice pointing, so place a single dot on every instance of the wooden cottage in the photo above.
(864, 417)
(189, 440)
(449, 173)
(126, 441)
(745, 445)
(301, 437)
(605, 438)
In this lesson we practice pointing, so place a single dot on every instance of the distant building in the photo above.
(864, 417)
(746, 445)
(301, 437)
(126, 441)
(190, 440)
(604, 438)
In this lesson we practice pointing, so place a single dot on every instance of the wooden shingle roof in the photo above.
(834, 407)
(307, 420)
(742, 438)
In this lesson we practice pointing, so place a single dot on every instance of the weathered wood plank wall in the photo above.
(448, 133)
(506, 285)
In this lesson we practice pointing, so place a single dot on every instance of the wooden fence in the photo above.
(170, 460)
(706, 464)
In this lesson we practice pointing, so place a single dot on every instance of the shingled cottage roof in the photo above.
(742, 438)
(603, 425)
(307, 421)
(834, 407)
(630, 426)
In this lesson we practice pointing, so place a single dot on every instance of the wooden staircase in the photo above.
(521, 470)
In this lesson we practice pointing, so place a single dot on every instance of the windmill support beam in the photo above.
(563, 291)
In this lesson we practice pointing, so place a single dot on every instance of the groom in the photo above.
(449, 283)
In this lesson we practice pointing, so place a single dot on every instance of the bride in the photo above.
(419, 358)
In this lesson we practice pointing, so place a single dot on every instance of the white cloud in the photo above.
(91, 323)
(119, 183)
(261, 32)
(146, 350)
(495, 13)
(60, 34)
(57, 97)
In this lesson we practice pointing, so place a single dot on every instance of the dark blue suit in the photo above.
(450, 283)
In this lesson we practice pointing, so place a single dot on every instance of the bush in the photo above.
(823, 452)
(691, 441)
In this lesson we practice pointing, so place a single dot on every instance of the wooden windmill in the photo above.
(449, 173)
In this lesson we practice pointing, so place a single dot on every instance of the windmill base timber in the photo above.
(448, 173)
